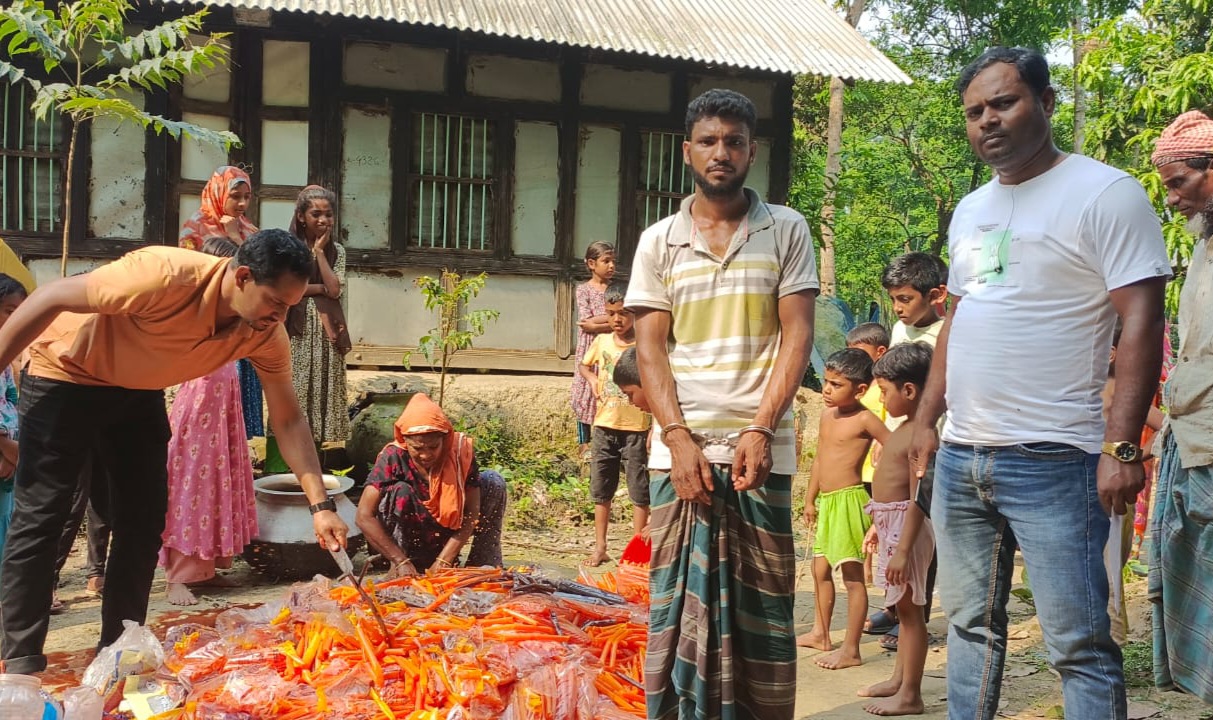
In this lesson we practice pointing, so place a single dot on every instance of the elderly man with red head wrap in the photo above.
(426, 498)
(1181, 565)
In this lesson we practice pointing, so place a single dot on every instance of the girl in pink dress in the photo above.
(211, 510)
(591, 321)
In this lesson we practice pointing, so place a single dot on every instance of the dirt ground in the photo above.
(1030, 689)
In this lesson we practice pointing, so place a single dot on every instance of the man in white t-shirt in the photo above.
(1043, 259)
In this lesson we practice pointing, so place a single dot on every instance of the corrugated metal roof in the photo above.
(785, 36)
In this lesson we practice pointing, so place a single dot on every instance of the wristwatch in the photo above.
(328, 504)
(1124, 451)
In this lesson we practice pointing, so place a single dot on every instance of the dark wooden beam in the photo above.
(568, 151)
(80, 190)
(626, 235)
(781, 142)
(324, 121)
(503, 190)
(388, 261)
(400, 150)
(247, 73)
(33, 248)
(155, 175)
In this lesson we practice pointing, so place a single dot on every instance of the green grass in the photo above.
(1139, 664)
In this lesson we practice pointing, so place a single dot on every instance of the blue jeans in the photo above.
(1041, 498)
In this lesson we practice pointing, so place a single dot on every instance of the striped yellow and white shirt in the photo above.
(724, 318)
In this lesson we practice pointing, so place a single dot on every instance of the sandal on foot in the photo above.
(879, 623)
(889, 641)
(58, 607)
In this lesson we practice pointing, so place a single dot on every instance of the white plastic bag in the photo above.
(135, 652)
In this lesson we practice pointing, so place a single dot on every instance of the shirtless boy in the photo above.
(836, 500)
(904, 535)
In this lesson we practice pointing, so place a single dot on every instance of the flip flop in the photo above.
(880, 622)
(889, 641)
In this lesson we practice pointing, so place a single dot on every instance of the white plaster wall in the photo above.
(528, 313)
(511, 78)
(612, 87)
(187, 205)
(212, 84)
(386, 309)
(275, 214)
(366, 177)
(285, 73)
(395, 67)
(597, 202)
(115, 181)
(762, 94)
(759, 177)
(283, 153)
(536, 179)
(198, 159)
(389, 311)
(47, 269)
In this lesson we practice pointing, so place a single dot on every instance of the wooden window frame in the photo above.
(12, 159)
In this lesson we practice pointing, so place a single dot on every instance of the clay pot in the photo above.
(372, 428)
(285, 546)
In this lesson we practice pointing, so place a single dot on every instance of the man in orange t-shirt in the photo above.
(103, 346)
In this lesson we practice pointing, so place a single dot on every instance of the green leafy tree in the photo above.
(1142, 70)
(85, 46)
(449, 294)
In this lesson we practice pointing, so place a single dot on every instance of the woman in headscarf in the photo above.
(425, 497)
(225, 199)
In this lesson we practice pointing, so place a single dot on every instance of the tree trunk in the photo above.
(826, 272)
(1077, 27)
(67, 198)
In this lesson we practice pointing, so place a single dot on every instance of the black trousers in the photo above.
(91, 501)
(65, 426)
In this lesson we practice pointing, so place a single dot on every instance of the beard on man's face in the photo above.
(1201, 224)
(724, 188)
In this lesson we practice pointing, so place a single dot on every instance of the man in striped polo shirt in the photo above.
(723, 293)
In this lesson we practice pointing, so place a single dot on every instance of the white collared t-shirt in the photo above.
(724, 330)
(1033, 263)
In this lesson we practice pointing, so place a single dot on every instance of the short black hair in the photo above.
(919, 270)
(10, 285)
(219, 246)
(270, 254)
(627, 371)
(615, 293)
(725, 104)
(851, 363)
(908, 362)
(873, 334)
(1032, 66)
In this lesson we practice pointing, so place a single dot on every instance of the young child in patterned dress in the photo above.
(12, 294)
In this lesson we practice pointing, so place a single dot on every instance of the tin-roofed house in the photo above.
(494, 135)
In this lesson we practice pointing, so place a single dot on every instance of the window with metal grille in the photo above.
(664, 178)
(33, 155)
(451, 177)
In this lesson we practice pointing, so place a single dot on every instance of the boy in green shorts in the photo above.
(836, 500)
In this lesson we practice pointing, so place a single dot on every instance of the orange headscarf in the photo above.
(447, 490)
(205, 222)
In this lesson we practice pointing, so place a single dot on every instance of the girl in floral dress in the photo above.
(211, 510)
(591, 321)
